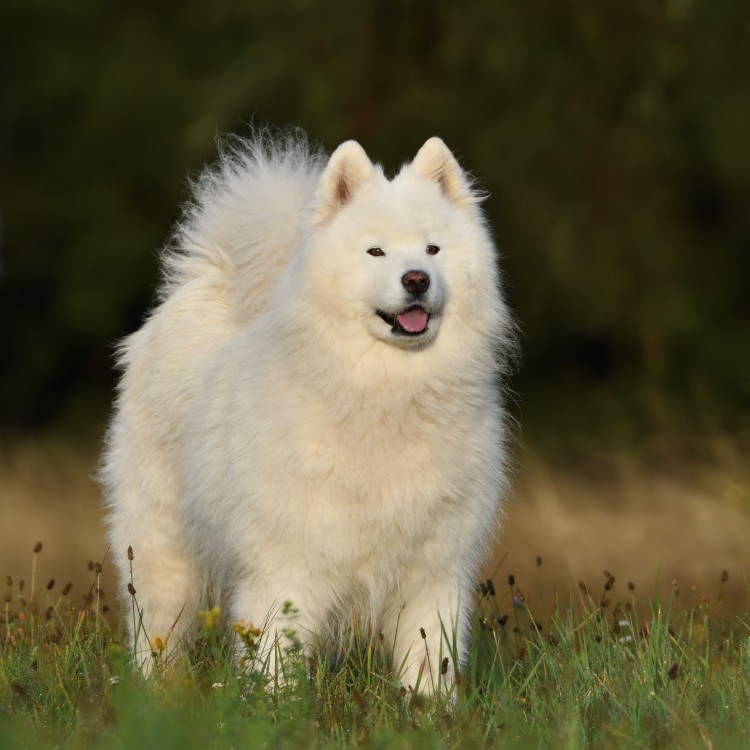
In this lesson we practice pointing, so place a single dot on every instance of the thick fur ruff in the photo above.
(312, 413)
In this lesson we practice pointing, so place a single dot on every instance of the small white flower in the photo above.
(624, 624)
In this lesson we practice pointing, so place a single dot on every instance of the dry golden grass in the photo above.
(639, 518)
(651, 519)
(47, 494)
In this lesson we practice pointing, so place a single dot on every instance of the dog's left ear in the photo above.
(435, 162)
(348, 167)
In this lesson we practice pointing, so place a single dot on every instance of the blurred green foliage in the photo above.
(614, 139)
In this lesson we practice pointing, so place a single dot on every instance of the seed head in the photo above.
(97, 568)
(631, 586)
(66, 588)
(131, 589)
(130, 552)
(724, 576)
(444, 666)
(673, 671)
(502, 620)
(423, 634)
(538, 561)
(38, 547)
(610, 582)
(511, 580)
(50, 584)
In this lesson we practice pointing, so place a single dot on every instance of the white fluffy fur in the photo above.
(273, 438)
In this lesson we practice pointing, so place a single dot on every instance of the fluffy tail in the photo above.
(246, 218)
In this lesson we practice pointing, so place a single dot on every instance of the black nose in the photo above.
(416, 282)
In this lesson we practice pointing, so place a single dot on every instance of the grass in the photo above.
(602, 671)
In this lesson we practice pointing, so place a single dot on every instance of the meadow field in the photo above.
(614, 614)
(667, 513)
(611, 141)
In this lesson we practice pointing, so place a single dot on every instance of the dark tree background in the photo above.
(614, 139)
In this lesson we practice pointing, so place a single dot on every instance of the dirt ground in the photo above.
(644, 525)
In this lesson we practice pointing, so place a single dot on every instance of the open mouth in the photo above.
(410, 322)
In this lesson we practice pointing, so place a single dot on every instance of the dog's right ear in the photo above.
(348, 167)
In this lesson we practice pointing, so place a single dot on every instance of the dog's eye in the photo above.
(376, 252)
(432, 249)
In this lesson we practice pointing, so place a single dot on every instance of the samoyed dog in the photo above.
(312, 413)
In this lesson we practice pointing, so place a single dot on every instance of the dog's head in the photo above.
(398, 255)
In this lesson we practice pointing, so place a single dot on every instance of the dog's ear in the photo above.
(435, 162)
(348, 167)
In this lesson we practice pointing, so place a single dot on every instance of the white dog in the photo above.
(312, 413)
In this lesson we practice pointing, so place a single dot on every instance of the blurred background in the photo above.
(614, 142)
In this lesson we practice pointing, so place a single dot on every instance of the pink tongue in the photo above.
(413, 321)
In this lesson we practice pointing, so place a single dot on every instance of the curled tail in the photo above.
(246, 218)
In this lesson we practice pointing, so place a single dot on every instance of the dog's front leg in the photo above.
(430, 635)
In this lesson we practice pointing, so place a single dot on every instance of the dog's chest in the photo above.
(375, 485)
